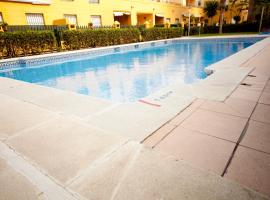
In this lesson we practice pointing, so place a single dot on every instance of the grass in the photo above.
(217, 34)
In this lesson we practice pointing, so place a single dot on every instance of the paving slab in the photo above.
(16, 116)
(138, 120)
(159, 135)
(136, 172)
(8, 83)
(246, 94)
(52, 99)
(201, 150)
(102, 180)
(267, 87)
(221, 83)
(251, 168)
(186, 113)
(212, 92)
(232, 106)
(49, 187)
(260, 79)
(244, 56)
(216, 124)
(14, 186)
(261, 113)
(256, 83)
(23, 90)
(64, 147)
(75, 104)
(151, 175)
(257, 136)
(265, 98)
(261, 62)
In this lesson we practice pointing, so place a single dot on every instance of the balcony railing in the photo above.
(170, 1)
(40, 2)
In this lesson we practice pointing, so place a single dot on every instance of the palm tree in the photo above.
(264, 4)
(255, 8)
(222, 10)
(251, 10)
(210, 9)
(236, 7)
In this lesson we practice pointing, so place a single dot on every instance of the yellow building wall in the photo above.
(14, 12)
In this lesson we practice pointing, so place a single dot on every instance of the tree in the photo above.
(236, 7)
(222, 10)
(210, 9)
(264, 6)
(255, 8)
(251, 10)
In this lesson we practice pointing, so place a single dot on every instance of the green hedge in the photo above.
(227, 28)
(161, 33)
(99, 37)
(13, 44)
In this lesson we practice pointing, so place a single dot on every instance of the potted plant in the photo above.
(237, 19)
(4, 26)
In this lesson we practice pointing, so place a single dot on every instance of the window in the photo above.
(34, 18)
(72, 19)
(177, 21)
(96, 20)
(1, 18)
(93, 1)
(168, 20)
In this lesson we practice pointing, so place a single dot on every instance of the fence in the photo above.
(13, 28)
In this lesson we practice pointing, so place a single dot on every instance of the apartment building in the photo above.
(99, 12)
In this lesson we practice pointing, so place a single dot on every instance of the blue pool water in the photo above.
(129, 76)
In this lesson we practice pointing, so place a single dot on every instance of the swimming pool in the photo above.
(126, 76)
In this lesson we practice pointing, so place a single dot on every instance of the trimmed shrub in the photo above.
(243, 27)
(99, 37)
(176, 25)
(159, 25)
(161, 33)
(13, 44)
(227, 28)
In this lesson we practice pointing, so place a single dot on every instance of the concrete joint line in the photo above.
(257, 53)
(95, 164)
(48, 187)
(54, 117)
(175, 126)
(103, 110)
(31, 102)
(125, 172)
(241, 136)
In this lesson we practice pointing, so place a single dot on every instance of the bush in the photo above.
(161, 33)
(13, 44)
(159, 25)
(176, 25)
(243, 27)
(99, 37)
(227, 28)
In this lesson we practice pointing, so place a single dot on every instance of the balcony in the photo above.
(194, 3)
(38, 2)
(170, 1)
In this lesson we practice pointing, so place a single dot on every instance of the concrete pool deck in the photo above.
(61, 145)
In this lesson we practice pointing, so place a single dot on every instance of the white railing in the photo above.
(170, 1)
(45, 2)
